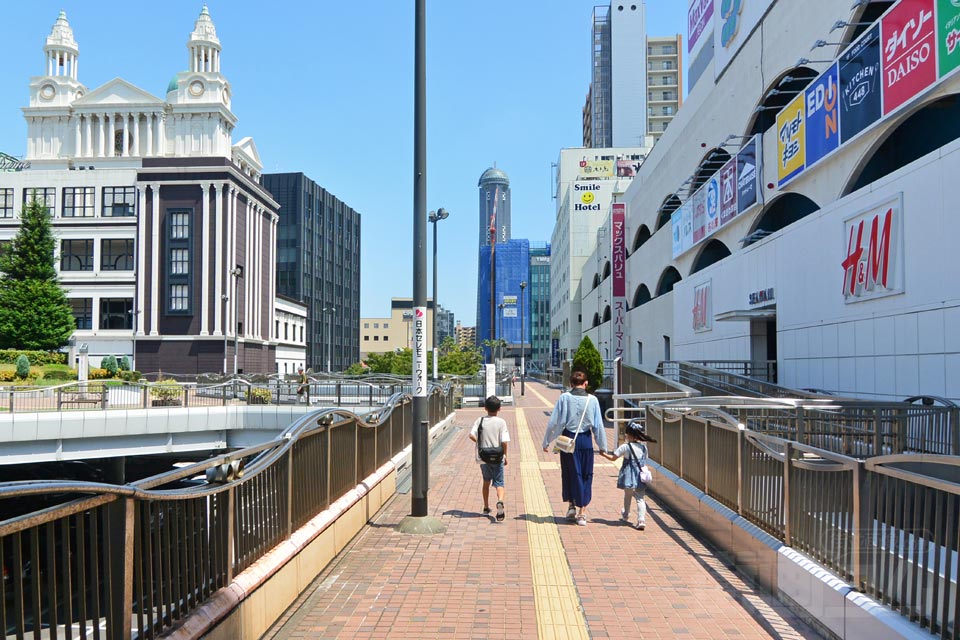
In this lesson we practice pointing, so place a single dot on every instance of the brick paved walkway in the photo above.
(483, 579)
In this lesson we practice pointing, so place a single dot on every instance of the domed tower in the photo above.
(494, 205)
(207, 130)
(52, 94)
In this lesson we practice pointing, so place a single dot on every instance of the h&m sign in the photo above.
(702, 307)
(873, 262)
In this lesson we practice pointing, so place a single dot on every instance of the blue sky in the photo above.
(327, 88)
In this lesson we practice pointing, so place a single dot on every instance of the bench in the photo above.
(80, 398)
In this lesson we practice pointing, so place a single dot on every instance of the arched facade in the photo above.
(711, 163)
(606, 313)
(930, 127)
(596, 320)
(778, 94)
(712, 252)
(780, 212)
(668, 279)
(641, 296)
(642, 235)
(606, 271)
(670, 204)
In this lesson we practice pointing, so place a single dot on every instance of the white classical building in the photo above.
(290, 325)
(166, 238)
(800, 209)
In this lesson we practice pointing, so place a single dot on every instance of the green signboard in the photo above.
(948, 35)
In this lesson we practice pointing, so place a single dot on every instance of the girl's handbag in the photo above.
(646, 476)
(566, 444)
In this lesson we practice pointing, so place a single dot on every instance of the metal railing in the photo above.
(131, 561)
(889, 524)
(763, 370)
(730, 381)
(104, 395)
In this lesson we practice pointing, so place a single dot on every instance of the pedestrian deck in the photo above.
(534, 575)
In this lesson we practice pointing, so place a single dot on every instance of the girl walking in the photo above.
(634, 454)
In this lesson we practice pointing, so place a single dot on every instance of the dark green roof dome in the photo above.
(173, 83)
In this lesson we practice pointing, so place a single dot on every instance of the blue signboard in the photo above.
(860, 87)
(823, 114)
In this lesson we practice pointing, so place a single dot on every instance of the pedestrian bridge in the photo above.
(304, 543)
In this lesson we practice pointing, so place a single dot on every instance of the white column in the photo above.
(272, 271)
(88, 136)
(141, 254)
(76, 67)
(126, 134)
(256, 303)
(78, 146)
(101, 118)
(231, 260)
(248, 268)
(155, 300)
(136, 134)
(220, 266)
(149, 117)
(161, 134)
(111, 136)
(205, 270)
(31, 141)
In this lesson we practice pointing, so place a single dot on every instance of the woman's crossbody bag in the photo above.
(566, 444)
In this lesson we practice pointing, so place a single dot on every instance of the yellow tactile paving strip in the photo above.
(559, 614)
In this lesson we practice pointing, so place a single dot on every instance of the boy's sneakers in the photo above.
(500, 514)
(582, 521)
(486, 511)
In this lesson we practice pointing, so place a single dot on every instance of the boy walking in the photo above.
(490, 432)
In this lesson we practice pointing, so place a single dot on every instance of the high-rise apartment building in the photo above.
(664, 82)
(318, 263)
(634, 81)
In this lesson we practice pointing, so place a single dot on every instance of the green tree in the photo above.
(34, 311)
(588, 360)
(23, 366)
(124, 364)
(110, 364)
(460, 362)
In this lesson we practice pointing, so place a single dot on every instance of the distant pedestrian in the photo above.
(491, 435)
(635, 456)
(577, 415)
(302, 386)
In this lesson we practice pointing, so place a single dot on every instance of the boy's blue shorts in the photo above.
(493, 473)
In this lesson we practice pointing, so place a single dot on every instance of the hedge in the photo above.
(36, 358)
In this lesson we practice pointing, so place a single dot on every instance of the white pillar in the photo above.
(155, 299)
(231, 260)
(149, 133)
(136, 134)
(248, 267)
(111, 136)
(220, 266)
(205, 270)
(101, 118)
(161, 134)
(257, 308)
(126, 135)
(141, 254)
(78, 146)
(88, 136)
(76, 67)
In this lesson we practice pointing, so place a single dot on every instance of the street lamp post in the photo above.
(435, 217)
(500, 338)
(523, 340)
(225, 298)
(237, 273)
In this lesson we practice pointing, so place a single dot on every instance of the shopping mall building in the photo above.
(799, 209)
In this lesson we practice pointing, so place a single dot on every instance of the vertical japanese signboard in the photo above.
(728, 191)
(676, 228)
(948, 35)
(554, 352)
(419, 351)
(790, 140)
(908, 34)
(822, 116)
(702, 307)
(687, 209)
(713, 205)
(859, 73)
(619, 259)
(699, 215)
(748, 175)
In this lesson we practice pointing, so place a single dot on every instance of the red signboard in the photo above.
(909, 60)
(619, 254)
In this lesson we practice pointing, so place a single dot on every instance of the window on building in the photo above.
(376, 325)
(668, 111)
(47, 196)
(668, 95)
(376, 338)
(366, 338)
(276, 330)
(116, 254)
(286, 330)
(668, 64)
(179, 249)
(386, 325)
(366, 325)
(78, 202)
(6, 203)
(119, 202)
(667, 79)
(116, 313)
(76, 255)
(82, 312)
(301, 334)
(669, 49)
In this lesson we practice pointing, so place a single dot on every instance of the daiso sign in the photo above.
(872, 264)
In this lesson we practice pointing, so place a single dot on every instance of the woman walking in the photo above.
(577, 416)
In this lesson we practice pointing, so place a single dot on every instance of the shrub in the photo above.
(167, 391)
(8, 375)
(39, 358)
(23, 366)
(124, 363)
(98, 374)
(130, 376)
(588, 360)
(260, 395)
(110, 364)
(60, 374)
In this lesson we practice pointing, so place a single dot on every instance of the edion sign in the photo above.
(872, 266)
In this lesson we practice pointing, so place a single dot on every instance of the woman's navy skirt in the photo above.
(576, 470)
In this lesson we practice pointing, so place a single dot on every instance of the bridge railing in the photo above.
(889, 524)
(131, 561)
(731, 378)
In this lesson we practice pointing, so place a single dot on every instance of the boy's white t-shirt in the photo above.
(494, 432)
